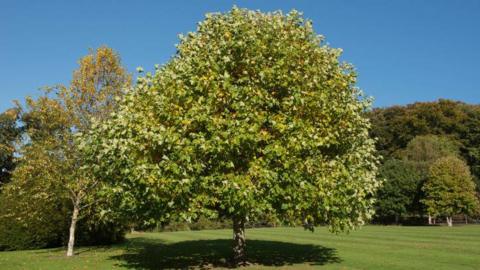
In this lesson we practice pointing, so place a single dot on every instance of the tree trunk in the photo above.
(396, 219)
(466, 219)
(429, 220)
(239, 254)
(71, 239)
(449, 221)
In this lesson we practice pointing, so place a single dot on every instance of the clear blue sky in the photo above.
(404, 51)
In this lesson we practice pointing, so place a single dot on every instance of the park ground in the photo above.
(371, 247)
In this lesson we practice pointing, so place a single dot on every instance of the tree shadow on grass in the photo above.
(62, 251)
(144, 253)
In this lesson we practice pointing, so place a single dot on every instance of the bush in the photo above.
(53, 232)
(29, 220)
(32, 220)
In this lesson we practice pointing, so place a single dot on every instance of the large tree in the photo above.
(449, 189)
(254, 115)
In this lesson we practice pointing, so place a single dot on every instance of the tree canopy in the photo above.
(253, 115)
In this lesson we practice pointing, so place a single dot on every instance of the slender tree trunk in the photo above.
(429, 220)
(449, 221)
(396, 219)
(466, 219)
(71, 239)
(239, 254)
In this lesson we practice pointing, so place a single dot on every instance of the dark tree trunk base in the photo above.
(239, 244)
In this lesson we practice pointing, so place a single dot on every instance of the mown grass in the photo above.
(372, 247)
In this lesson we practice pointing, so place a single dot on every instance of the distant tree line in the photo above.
(431, 160)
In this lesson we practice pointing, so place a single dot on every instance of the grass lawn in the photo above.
(372, 247)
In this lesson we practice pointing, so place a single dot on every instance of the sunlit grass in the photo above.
(372, 247)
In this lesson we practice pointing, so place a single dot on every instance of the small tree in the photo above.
(53, 121)
(97, 85)
(253, 116)
(450, 189)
